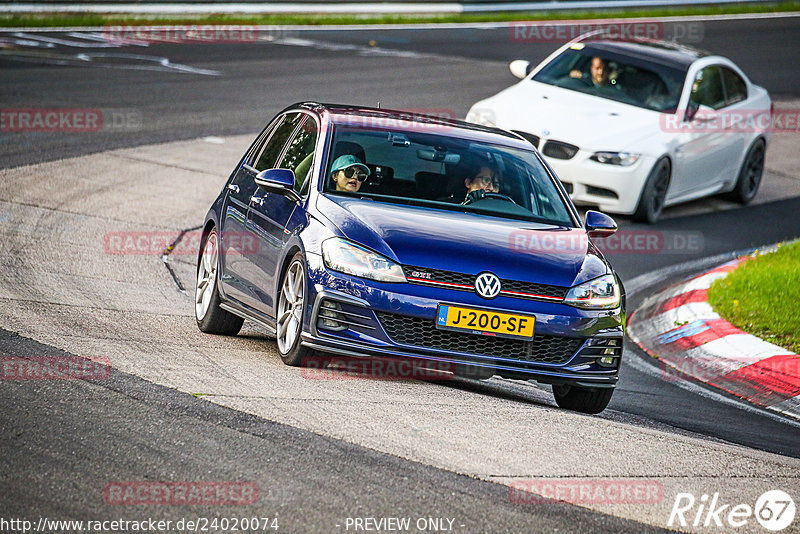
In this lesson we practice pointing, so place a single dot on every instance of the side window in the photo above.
(707, 88)
(735, 87)
(273, 148)
(299, 155)
(258, 144)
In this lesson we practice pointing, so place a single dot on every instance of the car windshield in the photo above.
(615, 76)
(443, 172)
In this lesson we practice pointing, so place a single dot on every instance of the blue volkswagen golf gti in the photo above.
(373, 233)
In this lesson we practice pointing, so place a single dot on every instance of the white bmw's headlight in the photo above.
(482, 116)
(347, 257)
(624, 159)
(600, 293)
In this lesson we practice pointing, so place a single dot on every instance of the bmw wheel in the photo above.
(291, 308)
(750, 174)
(211, 318)
(654, 193)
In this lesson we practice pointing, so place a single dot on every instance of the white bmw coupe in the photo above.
(632, 127)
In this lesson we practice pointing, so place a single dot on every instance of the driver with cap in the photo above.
(348, 173)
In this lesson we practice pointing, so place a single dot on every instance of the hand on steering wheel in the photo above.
(480, 194)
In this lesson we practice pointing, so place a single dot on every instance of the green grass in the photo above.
(762, 297)
(47, 20)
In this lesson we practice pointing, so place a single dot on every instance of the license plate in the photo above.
(485, 322)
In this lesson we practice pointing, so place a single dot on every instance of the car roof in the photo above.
(666, 53)
(412, 121)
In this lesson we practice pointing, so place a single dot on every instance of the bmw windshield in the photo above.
(444, 172)
(615, 76)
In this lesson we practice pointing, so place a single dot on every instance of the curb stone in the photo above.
(679, 327)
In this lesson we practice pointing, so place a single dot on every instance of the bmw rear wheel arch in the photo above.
(654, 193)
(582, 399)
(292, 303)
(211, 318)
(750, 173)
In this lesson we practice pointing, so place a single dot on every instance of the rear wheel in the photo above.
(750, 174)
(291, 309)
(212, 319)
(654, 193)
(582, 399)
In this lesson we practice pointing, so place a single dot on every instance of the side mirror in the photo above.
(520, 68)
(280, 180)
(599, 224)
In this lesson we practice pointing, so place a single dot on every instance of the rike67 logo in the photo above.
(774, 510)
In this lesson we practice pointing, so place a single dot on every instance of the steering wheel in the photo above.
(480, 194)
(500, 196)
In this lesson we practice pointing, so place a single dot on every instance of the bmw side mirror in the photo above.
(280, 180)
(520, 68)
(599, 224)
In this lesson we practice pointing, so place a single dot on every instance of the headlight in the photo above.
(347, 257)
(624, 159)
(484, 117)
(599, 293)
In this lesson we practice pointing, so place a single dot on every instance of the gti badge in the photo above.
(487, 285)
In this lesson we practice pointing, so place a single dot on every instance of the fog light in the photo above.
(606, 360)
(608, 351)
(328, 316)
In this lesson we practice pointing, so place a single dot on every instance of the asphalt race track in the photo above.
(182, 406)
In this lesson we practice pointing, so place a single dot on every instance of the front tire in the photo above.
(210, 317)
(654, 193)
(292, 304)
(582, 399)
(750, 174)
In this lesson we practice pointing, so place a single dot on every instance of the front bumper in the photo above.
(612, 188)
(355, 317)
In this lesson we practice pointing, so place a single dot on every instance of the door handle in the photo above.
(233, 187)
(257, 200)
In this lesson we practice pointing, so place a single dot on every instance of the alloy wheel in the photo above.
(290, 307)
(206, 276)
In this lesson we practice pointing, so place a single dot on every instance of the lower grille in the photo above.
(601, 192)
(423, 333)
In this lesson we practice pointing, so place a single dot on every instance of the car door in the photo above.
(235, 239)
(704, 144)
(737, 106)
(270, 212)
(242, 244)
